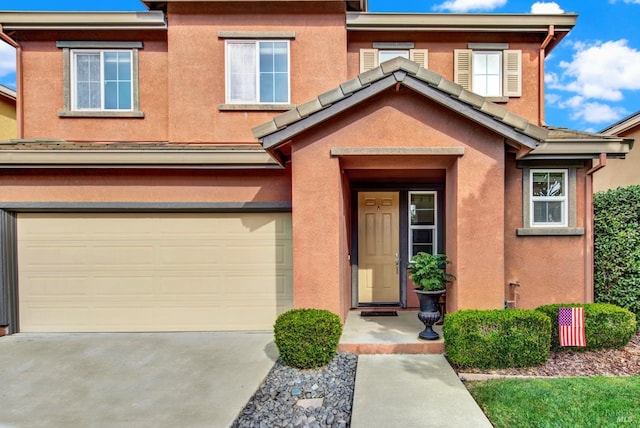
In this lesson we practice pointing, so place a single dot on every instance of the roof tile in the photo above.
(351, 86)
(331, 96)
(371, 76)
(429, 76)
(287, 118)
(310, 107)
(264, 129)
(449, 87)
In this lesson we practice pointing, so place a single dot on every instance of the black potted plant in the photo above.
(430, 279)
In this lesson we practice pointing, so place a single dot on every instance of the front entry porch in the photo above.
(387, 334)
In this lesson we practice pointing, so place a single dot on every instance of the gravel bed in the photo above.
(281, 398)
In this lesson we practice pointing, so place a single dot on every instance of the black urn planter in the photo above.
(429, 312)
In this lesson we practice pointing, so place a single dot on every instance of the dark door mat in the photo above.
(378, 314)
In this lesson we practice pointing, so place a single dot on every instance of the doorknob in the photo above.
(397, 261)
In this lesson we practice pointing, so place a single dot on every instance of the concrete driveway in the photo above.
(130, 380)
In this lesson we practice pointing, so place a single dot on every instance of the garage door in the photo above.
(153, 272)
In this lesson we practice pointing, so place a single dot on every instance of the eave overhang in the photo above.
(60, 153)
(7, 93)
(21, 21)
(624, 125)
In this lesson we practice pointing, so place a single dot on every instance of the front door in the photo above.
(378, 248)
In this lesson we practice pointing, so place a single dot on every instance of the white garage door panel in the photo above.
(153, 272)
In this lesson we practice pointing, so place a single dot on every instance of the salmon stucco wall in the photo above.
(399, 119)
(104, 185)
(550, 269)
(620, 172)
(317, 59)
(43, 90)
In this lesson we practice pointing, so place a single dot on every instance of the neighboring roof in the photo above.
(467, 22)
(623, 125)
(7, 92)
(400, 71)
(12, 21)
(41, 152)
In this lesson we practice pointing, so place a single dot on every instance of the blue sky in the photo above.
(592, 78)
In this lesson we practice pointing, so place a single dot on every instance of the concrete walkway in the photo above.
(412, 391)
(130, 380)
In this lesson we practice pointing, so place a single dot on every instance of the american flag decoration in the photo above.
(571, 327)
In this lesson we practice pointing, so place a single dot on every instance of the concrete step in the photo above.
(387, 334)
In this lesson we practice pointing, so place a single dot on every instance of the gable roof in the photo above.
(401, 71)
(623, 125)
(409, 74)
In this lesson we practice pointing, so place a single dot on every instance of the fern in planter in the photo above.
(427, 271)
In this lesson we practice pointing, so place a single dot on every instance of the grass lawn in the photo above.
(563, 402)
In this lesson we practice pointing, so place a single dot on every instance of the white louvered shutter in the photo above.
(421, 56)
(368, 59)
(462, 60)
(512, 63)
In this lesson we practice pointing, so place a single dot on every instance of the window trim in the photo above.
(244, 105)
(411, 228)
(528, 228)
(563, 199)
(67, 59)
(485, 75)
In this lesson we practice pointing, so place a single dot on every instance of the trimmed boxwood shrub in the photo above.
(307, 338)
(606, 326)
(497, 338)
(617, 247)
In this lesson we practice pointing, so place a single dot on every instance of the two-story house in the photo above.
(207, 165)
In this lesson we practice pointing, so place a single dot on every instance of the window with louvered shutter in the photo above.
(512, 63)
(421, 56)
(462, 67)
(368, 59)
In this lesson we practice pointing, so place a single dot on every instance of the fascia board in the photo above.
(460, 22)
(14, 21)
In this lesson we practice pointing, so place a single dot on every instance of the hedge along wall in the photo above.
(617, 247)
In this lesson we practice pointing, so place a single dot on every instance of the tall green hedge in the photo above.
(606, 326)
(617, 247)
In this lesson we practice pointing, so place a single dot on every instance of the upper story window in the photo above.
(384, 51)
(257, 71)
(549, 203)
(100, 79)
(489, 69)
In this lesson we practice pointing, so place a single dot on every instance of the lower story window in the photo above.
(422, 223)
(549, 198)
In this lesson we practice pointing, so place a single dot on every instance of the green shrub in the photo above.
(497, 338)
(617, 247)
(307, 338)
(606, 326)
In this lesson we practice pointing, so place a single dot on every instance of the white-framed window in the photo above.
(102, 80)
(549, 197)
(423, 215)
(257, 71)
(489, 71)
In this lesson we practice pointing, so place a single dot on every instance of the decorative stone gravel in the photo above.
(275, 403)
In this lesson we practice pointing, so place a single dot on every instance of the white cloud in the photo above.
(597, 113)
(546, 8)
(590, 112)
(468, 5)
(7, 59)
(601, 70)
(552, 99)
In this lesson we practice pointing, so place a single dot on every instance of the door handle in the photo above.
(397, 261)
